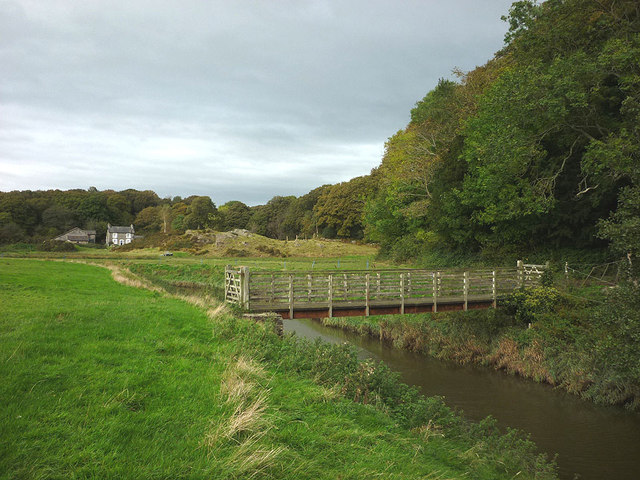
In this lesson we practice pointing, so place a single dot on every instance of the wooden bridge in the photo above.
(321, 294)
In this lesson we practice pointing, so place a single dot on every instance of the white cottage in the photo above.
(117, 235)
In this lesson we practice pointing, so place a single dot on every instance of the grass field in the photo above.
(102, 380)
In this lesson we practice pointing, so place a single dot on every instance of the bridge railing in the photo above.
(265, 290)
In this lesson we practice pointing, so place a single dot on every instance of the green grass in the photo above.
(206, 276)
(102, 380)
(17, 248)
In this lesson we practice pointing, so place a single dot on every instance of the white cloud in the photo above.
(237, 100)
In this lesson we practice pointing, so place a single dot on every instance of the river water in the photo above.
(591, 441)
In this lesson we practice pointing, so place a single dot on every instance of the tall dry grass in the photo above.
(244, 387)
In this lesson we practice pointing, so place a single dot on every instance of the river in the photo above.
(591, 441)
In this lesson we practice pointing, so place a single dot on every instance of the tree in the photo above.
(259, 219)
(340, 208)
(119, 209)
(11, 233)
(22, 213)
(94, 207)
(149, 219)
(59, 217)
(143, 199)
(234, 214)
(270, 219)
(165, 216)
(177, 223)
(201, 213)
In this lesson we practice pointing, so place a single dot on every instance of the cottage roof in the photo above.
(78, 231)
(119, 229)
(78, 238)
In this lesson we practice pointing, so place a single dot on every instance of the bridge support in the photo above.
(465, 291)
(366, 295)
(436, 279)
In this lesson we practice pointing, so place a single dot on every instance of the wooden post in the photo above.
(366, 295)
(409, 284)
(606, 269)
(378, 286)
(244, 287)
(226, 282)
(273, 290)
(309, 282)
(345, 285)
(566, 273)
(290, 296)
(494, 290)
(520, 266)
(402, 293)
(434, 308)
(465, 287)
(330, 295)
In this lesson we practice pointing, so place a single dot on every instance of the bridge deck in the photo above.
(376, 307)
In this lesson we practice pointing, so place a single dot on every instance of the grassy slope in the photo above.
(103, 380)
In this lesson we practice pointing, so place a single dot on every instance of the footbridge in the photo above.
(318, 294)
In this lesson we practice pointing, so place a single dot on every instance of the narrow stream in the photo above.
(591, 441)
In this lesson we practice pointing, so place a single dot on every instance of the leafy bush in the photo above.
(97, 246)
(547, 278)
(236, 252)
(17, 247)
(57, 246)
(406, 248)
(616, 349)
(526, 304)
(275, 252)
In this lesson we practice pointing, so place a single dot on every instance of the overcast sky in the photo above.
(237, 99)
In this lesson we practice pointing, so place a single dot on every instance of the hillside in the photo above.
(242, 243)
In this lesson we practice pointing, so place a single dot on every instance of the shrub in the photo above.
(547, 278)
(274, 252)
(57, 246)
(617, 349)
(406, 248)
(236, 252)
(526, 304)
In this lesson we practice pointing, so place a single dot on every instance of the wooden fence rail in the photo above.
(334, 293)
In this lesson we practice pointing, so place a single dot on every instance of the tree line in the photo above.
(330, 211)
(539, 147)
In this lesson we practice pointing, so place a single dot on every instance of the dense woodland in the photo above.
(534, 149)
(330, 211)
(538, 148)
